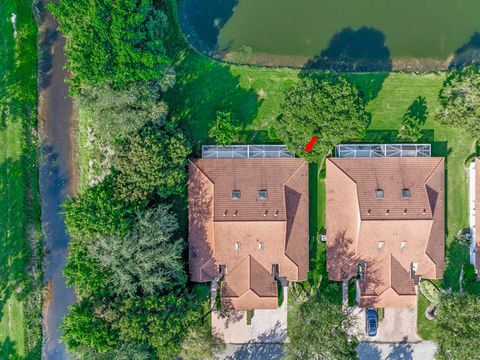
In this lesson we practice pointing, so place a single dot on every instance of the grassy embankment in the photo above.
(20, 232)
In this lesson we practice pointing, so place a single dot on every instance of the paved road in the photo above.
(424, 350)
(252, 352)
(56, 179)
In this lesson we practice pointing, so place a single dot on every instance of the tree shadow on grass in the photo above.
(369, 83)
(18, 90)
(418, 110)
(8, 350)
(457, 254)
(14, 249)
(391, 137)
(205, 87)
(468, 54)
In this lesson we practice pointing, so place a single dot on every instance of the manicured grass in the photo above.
(352, 293)
(20, 243)
(425, 327)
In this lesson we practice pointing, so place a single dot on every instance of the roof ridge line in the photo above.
(201, 170)
(339, 168)
(294, 172)
(441, 160)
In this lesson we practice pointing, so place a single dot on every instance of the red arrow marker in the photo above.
(310, 144)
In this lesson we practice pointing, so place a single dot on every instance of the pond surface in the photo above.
(403, 34)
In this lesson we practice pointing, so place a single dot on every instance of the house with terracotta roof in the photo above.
(248, 223)
(385, 222)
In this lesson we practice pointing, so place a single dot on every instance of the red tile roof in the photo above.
(248, 235)
(387, 234)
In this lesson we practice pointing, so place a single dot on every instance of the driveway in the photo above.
(424, 350)
(398, 324)
(267, 326)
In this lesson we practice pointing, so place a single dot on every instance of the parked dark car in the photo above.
(372, 321)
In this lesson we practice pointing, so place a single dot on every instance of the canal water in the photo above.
(57, 179)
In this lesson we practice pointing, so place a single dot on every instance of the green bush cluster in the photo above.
(430, 291)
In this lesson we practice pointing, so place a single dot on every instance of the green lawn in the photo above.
(425, 328)
(20, 297)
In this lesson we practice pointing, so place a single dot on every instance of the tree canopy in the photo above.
(152, 161)
(97, 211)
(328, 107)
(458, 327)
(118, 112)
(82, 327)
(319, 329)
(199, 344)
(224, 129)
(146, 261)
(112, 41)
(460, 100)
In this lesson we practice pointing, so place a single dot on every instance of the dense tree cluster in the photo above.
(119, 112)
(112, 41)
(328, 107)
(152, 161)
(458, 327)
(127, 253)
(460, 100)
(147, 260)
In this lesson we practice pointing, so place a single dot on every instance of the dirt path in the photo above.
(57, 178)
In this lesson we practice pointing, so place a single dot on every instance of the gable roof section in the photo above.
(248, 235)
(388, 234)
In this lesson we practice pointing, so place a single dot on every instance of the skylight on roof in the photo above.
(379, 194)
(406, 193)
(262, 194)
(236, 195)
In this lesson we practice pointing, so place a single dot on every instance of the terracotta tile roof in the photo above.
(248, 235)
(387, 234)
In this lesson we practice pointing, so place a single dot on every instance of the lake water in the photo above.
(402, 34)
